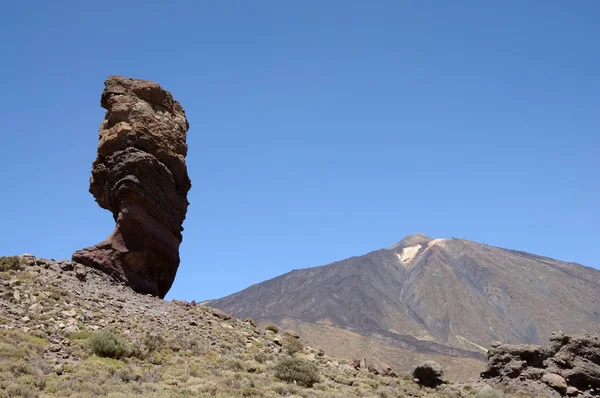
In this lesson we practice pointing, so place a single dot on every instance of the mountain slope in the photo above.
(443, 296)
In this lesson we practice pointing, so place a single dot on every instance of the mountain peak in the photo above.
(450, 297)
(412, 240)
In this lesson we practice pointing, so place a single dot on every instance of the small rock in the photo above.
(291, 333)
(66, 265)
(14, 282)
(193, 323)
(80, 271)
(555, 381)
(55, 267)
(388, 371)
(71, 329)
(35, 308)
(496, 344)
(572, 391)
(17, 296)
(58, 369)
(363, 367)
(25, 319)
(69, 314)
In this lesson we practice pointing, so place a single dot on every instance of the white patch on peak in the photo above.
(436, 242)
(408, 254)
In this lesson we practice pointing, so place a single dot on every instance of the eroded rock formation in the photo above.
(140, 175)
(570, 365)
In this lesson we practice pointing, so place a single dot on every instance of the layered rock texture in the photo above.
(140, 175)
(569, 365)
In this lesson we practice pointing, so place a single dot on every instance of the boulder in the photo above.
(555, 381)
(80, 272)
(429, 374)
(141, 177)
(221, 314)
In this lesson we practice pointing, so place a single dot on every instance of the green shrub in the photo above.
(81, 335)
(10, 262)
(147, 345)
(292, 345)
(299, 370)
(272, 328)
(261, 357)
(17, 390)
(108, 345)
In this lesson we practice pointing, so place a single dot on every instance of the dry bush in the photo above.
(296, 370)
(109, 345)
(292, 345)
(9, 262)
(272, 328)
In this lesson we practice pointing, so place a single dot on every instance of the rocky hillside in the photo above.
(448, 297)
(67, 330)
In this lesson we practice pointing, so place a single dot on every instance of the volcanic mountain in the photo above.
(445, 297)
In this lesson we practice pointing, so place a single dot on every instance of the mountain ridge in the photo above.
(449, 295)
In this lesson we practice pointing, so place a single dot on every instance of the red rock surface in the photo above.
(140, 175)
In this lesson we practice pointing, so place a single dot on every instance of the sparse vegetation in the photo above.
(109, 345)
(81, 335)
(297, 370)
(146, 347)
(272, 328)
(292, 345)
(9, 263)
(261, 357)
(68, 340)
(490, 393)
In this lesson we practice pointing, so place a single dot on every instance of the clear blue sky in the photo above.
(319, 129)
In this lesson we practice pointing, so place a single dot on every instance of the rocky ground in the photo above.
(53, 313)
(569, 365)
